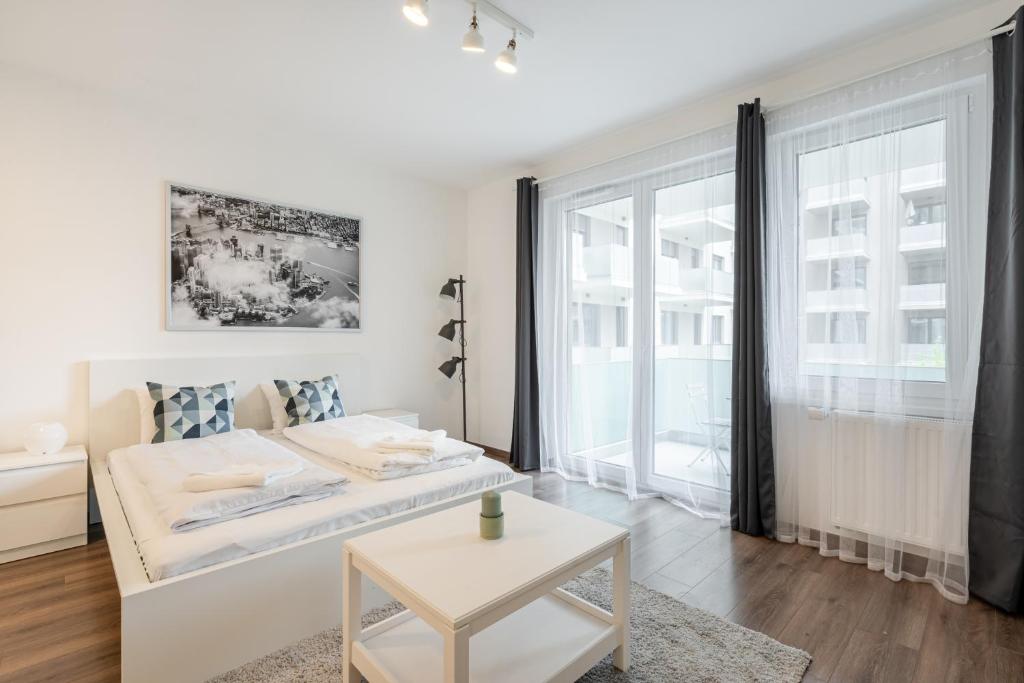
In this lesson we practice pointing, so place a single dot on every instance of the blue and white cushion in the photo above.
(310, 400)
(192, 412)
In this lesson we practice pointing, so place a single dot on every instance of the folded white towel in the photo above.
(419, 442)
(239, 476)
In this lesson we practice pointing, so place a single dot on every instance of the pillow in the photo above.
(310, 400)
(147, 424)
(192, 412)
(278, 415)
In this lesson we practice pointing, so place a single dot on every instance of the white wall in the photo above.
(492, 207)
(82, 250)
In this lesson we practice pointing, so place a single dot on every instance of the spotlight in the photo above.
(506, 61)
(416, 12)
(448, 331)
(448, 290)
(473, 41)
(449, 367)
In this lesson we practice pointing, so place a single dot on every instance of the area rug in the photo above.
(671, 641)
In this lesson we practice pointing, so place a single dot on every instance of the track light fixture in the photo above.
(416, 12)
(506, 61)
(473, 41)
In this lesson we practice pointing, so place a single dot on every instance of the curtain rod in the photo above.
(1005, 28)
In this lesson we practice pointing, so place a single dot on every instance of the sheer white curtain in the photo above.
(877, 198)
(634, 301)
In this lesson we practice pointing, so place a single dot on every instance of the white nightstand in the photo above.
(43, 504)
(406, 417)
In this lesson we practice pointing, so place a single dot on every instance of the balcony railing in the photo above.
(927, 236)
(836, 246)
(923, 296)
(602, 262)
(837, 300)
(693, 282)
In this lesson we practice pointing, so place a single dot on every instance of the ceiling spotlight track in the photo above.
(473, 41)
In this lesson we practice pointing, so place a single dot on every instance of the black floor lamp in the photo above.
(453, 290)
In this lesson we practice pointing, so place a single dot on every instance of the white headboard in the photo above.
(114, 410)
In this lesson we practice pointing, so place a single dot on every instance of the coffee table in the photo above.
(486, 610)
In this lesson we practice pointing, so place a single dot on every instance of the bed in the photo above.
(221, 597)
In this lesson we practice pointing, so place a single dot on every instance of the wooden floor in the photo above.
(59, 615)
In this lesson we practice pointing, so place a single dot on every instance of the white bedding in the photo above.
(165, 554)
(353, 441)
(163, 469)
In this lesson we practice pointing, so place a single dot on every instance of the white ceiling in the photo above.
(357, 72)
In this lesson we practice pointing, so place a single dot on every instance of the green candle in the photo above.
(490, 504)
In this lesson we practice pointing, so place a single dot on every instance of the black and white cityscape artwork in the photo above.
(242, 263)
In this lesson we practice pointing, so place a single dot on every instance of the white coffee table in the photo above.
(486, 610)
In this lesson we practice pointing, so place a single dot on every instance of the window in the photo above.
(926, 327)
(669, 249)
(669, 328)
(923, 214)
(717, 329)
(698, 329)
(621, 326)
(926, 271)
(817, 330)
(849, 225)
(717, 262)
(581, 227)
(848, 328)
(622, 235)
(849, 273)
(591, 325)
(696, 257)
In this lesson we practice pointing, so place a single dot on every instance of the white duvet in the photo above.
(353, 440)
(162, 469)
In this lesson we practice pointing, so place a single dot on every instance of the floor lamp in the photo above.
(453, 290)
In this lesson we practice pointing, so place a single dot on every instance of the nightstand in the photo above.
(43, 504)
(406, 417)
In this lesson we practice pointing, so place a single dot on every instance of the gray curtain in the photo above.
(525, 454)
(753, 465)
(996, 523)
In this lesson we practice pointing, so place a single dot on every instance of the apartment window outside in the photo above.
(591, 325)
(669, 249)
(696, 256)
(669, 328)
(717, 329)
(581, 227)
(718, 262)
(849, 225)
(848, 328)
(698, 329)
(926, 327)
(923, 214)
(622, 235)
(926, 272)
(817, 328)
(849, 273)
(621, 326)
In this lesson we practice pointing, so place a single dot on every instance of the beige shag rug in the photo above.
(671, 641)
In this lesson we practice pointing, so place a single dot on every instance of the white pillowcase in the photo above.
(147, 423)
(278, 414)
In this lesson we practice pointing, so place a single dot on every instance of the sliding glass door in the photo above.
(637, 284)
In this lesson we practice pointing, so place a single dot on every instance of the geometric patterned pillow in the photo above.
(192, 412)
(310, 400)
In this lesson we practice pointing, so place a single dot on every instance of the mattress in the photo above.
(165, 554)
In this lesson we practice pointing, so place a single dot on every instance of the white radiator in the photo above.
(901, 477)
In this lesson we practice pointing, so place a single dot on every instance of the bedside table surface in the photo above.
(22, 459)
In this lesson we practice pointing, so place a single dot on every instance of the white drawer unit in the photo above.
(43, 504)
(406, 417)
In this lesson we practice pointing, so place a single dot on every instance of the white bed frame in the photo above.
(194, 626)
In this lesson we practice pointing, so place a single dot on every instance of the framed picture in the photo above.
(240, 263)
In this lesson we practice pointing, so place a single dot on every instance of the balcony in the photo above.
(836, 353)
(837, 300)
(928, 237)
(923, 182)
(693, 284)
(923, 296)
(923, 355)
(837, 246)
(698, 228)
(825, 197)
(604, 264)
